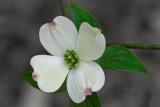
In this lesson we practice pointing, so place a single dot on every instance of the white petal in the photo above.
(75, 90)
(50, 72)
(98, 79)
(49, 42)
(91, 42)
(59, 35)
(87, 75)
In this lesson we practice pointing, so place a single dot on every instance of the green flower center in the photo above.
(71, 58)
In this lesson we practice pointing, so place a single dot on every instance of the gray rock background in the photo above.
(126, 21)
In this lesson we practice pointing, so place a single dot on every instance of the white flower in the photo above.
(74, 53)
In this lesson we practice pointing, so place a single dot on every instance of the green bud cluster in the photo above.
(71, 58)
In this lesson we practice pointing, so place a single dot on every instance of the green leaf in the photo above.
(119, 58)
(81, 15)
(90, 101)
(27, 76)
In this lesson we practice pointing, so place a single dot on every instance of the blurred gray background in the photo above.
(126, 21)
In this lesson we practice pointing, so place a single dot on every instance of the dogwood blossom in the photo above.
(72, 58)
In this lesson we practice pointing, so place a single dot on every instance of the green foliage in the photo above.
(80, 15)
(119, 58)
(91, 101)
(27, 76)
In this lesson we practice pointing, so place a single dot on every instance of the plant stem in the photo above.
(61, 2)
(138, 46)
